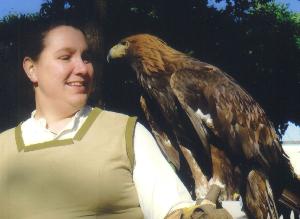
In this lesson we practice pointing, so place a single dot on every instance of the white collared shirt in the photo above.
(159, 189)
(35, 130)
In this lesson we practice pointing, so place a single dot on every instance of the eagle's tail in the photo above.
(290, 196)
(286, 185)
(259, 199)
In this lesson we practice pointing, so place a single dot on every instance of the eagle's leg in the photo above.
(201, 183)
(224, 172)
(258, 199)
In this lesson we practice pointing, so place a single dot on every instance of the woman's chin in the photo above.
(78, 101)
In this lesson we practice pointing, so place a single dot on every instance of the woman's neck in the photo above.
(56, 119)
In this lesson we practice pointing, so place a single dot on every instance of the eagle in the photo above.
(210, 128)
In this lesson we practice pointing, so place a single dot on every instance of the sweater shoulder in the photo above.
(7, 136)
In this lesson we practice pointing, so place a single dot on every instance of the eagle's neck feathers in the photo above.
(161, 60)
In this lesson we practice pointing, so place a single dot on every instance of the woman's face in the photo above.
(62, 74)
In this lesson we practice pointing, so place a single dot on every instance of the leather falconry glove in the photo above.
(205, 209)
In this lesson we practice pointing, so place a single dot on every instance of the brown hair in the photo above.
(34, 36)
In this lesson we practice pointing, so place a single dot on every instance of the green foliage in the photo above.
(272, 39)
(296, 17)
(238, 9)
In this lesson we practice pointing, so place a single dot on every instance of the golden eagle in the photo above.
(198, 111)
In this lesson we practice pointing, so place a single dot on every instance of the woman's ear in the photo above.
(30, 69)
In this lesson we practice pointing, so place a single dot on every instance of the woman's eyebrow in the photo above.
(66, 49)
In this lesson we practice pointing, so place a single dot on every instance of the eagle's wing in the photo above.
(213, 100)
(168, 144)
(162, 138)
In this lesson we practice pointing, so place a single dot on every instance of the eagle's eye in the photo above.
(125, 43)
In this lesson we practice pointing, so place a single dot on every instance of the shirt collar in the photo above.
(72, 125)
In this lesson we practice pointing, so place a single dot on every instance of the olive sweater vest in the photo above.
(89, 176)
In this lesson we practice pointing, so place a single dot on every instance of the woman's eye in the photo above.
(86, 57)
(65, 57)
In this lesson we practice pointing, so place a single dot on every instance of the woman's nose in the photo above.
(81, 66)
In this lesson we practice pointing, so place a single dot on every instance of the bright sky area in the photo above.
(32, 6)
(19, 6)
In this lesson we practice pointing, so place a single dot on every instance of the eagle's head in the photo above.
(145, 53)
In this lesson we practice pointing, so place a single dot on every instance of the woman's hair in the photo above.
(35, 34)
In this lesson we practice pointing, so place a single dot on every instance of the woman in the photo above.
(70, 160)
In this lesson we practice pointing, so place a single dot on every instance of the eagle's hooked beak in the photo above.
(118, 51)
